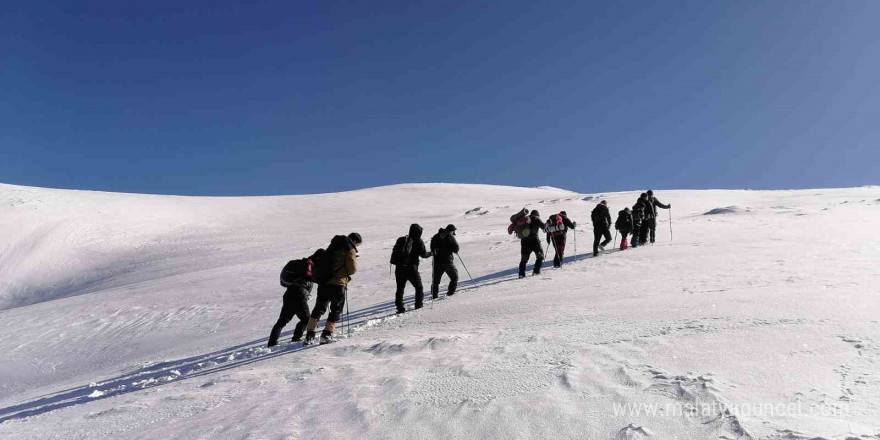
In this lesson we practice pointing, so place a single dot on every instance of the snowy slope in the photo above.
(137, 316)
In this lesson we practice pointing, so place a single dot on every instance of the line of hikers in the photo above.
(331, 269)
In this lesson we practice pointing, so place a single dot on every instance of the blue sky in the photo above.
(274, 97)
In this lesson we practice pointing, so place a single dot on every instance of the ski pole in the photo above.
(670, 223)
(465, 268)
(615, 238)
(575, 243)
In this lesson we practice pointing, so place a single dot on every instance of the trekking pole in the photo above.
(465, 268)
(670, 223)
(433, 269)
(346, 323)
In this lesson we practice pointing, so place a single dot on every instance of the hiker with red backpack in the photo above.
(297, 278)
(526, 226)
(405, 257)
(601, 218)
(557, 229)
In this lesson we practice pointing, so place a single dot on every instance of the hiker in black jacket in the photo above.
(601, 218)
(624, 224)
(647, 218)
(654, 203)
(444, 246)
(532, 243)
(408, 268)
(638, 216)
(557, 229)
(296, 303)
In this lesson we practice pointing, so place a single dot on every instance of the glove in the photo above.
(575, 224)
(669, 205)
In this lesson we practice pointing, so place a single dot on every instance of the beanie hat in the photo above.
(355, 238)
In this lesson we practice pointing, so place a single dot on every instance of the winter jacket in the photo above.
(601, 217)
(655, 204)
(624, 221)
(418, 246)
(444, 245)
(343, 262)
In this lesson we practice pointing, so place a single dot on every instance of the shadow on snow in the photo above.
(162, 373)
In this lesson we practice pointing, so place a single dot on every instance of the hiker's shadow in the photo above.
(209, 363)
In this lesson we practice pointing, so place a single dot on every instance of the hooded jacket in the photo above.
(418, 246)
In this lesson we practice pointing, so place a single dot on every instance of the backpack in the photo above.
(638, 214)
(296, 270)
(440, 244)
(596, 216)
(401, 250)
(622, 222)
(519, 223)
(555, 226)
(321, 270)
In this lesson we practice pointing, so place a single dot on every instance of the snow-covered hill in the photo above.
(139, 316)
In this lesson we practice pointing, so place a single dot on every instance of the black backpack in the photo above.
(597, 216)
(440, 244)
(322, 270)
(623, 221)
(296, 270)
(401, 250)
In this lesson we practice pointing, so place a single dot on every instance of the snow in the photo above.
(142, 316)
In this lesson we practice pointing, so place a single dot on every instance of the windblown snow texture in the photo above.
(139, 317)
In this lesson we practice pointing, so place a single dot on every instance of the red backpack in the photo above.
(555, 227)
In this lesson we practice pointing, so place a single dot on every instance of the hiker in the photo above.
(647, 218)
(296, 298)
(601, 218)
(638, 216)
(624, 224)
(531, 243)
(443, 247)
(557, 229)
(337, 267)
(405, 256)
(654, 203)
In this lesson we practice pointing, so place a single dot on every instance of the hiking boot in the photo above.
(327, 339)
(273, 337)
(310, 338)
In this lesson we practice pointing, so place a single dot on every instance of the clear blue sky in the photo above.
(289, 97)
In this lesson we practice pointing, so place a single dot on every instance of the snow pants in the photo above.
(440, 268)
(334, 296)
(404, 274)
(598, 234)
(643, 231)
(528, 246)
(623, 242)
(559, 246)
(296, 303)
